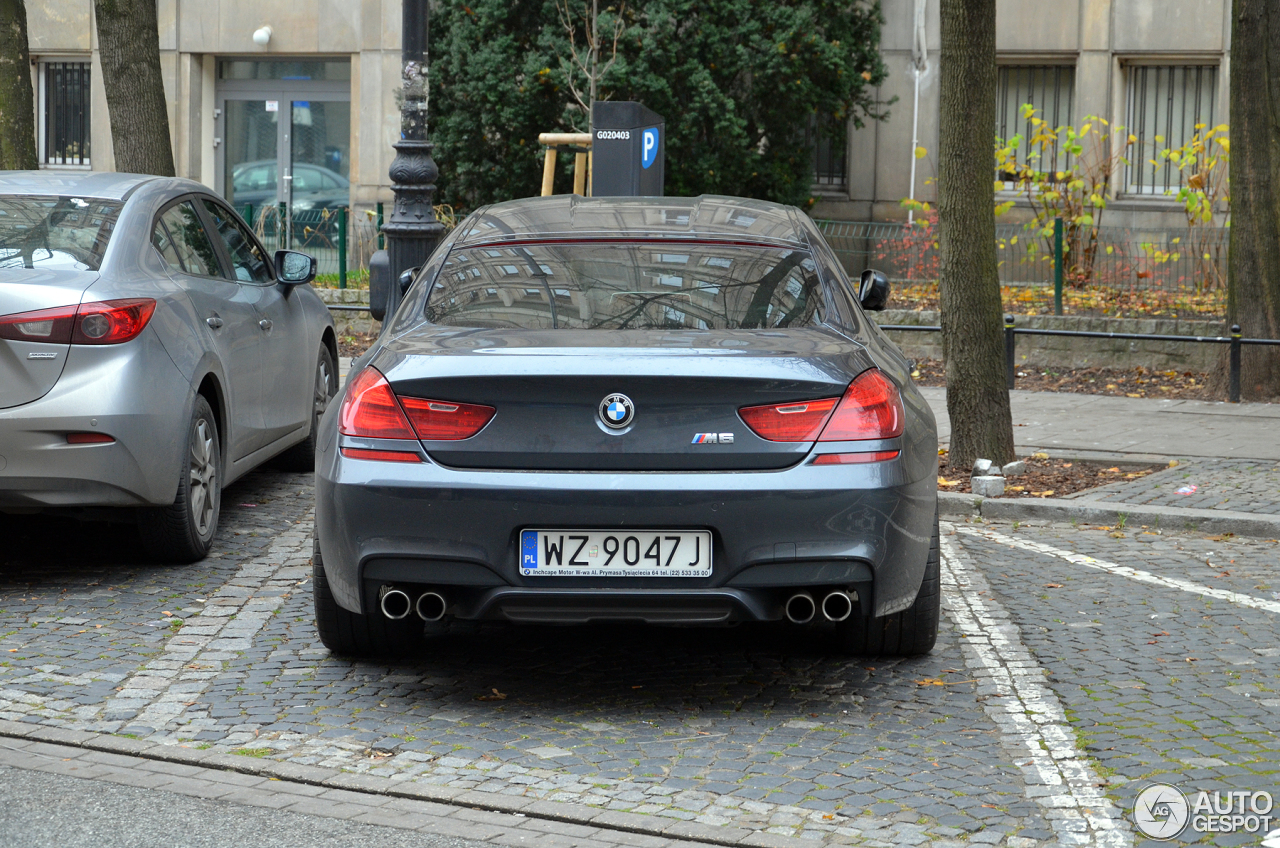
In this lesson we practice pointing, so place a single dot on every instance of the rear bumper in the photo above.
(456, 531)
(132, 392)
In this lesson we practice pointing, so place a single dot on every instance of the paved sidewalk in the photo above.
(1226, 480)
(1076, 424)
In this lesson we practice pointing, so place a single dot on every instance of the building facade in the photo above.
(1155, 67)
(311, 113)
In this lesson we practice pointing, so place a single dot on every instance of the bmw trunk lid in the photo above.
(630, 400)
(29, 369)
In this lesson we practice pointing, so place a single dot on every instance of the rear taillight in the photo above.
(112, 321)
(446, 421)
(99, 323)
(46, 325)
(788, 422)
(870, 409)
(370, 409)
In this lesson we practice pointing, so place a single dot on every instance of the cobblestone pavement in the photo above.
(1239, 485)
(1057, 687)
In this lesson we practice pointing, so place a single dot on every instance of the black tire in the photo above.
(302, 456)
(183, 531)
(910, 633)
(351, 634)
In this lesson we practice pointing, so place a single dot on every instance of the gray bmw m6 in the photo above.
(669, 410)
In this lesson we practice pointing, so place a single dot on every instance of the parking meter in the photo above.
(628, 150)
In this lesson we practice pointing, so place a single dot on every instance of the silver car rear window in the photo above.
(69, 233)
(634, 285)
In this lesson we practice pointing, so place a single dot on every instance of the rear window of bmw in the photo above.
(639, 285)
(68, 233)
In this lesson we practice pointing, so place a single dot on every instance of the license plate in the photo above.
(611, 553)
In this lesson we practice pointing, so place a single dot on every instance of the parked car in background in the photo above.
(670, 410)
(314, 187)
(151, 352)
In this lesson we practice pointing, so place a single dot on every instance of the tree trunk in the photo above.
(1253, 286)
(972, 327)
(129, 43)
(17, 101)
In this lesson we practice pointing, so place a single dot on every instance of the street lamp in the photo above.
(412, 229)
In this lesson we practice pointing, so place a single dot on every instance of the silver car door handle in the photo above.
(264, 324)
(215, 322)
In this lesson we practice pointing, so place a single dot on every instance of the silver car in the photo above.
(151, 352)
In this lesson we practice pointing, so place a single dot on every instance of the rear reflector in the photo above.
(89, 439)
(98, 323)
(369, 409)
(446, 421)
(870, 409)
(381, 455)
(788, 422)
(854, 458)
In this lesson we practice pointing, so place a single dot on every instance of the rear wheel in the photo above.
(302, 456)
(909, 633)
(351, 634)
(183, 531)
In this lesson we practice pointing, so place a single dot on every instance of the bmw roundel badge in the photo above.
(616, 411)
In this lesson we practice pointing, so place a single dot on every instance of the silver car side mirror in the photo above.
(294, 268)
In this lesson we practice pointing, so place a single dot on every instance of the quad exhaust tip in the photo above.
(837, 606)
(395, 604)
(430, 606)
(800, 608)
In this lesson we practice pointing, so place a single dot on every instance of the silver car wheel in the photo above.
(323, 382)
(204, 476)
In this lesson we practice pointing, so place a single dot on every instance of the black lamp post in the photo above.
(412, 229)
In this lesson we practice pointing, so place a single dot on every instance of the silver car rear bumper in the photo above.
(136, 396)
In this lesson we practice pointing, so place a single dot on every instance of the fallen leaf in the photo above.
(931, 681)
(1046, 493)
(1014, 488)
(165, 612)
(496, 696)
(1053, 585)
(1112, 470)
(944, 482)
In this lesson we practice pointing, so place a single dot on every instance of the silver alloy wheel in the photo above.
(322, 388)
(204, 476)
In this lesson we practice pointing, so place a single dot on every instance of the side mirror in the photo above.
(406, 279)
(873, 290)
(294, 268)
(379, 284)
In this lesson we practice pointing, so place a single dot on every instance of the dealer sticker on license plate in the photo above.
(611, 553)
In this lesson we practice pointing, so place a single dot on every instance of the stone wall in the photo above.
(1067, 352)
(348, 322)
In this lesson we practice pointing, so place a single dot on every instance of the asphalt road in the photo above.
(51, 809)
(1075, 667)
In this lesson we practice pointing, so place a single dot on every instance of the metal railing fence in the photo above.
(340, 241)
(1012, 331)
(1175, 261)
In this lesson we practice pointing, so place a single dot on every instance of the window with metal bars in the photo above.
(1049, 89)
(64, 99)
(826, 137)
(1166, 103)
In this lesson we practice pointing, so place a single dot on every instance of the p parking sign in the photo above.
(648, 147)
(628, 148)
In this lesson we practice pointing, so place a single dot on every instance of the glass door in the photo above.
(252, 143)
(284, 145)
(317, 171)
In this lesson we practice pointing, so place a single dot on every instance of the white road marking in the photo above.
(1031, 719)
(1123, 570)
